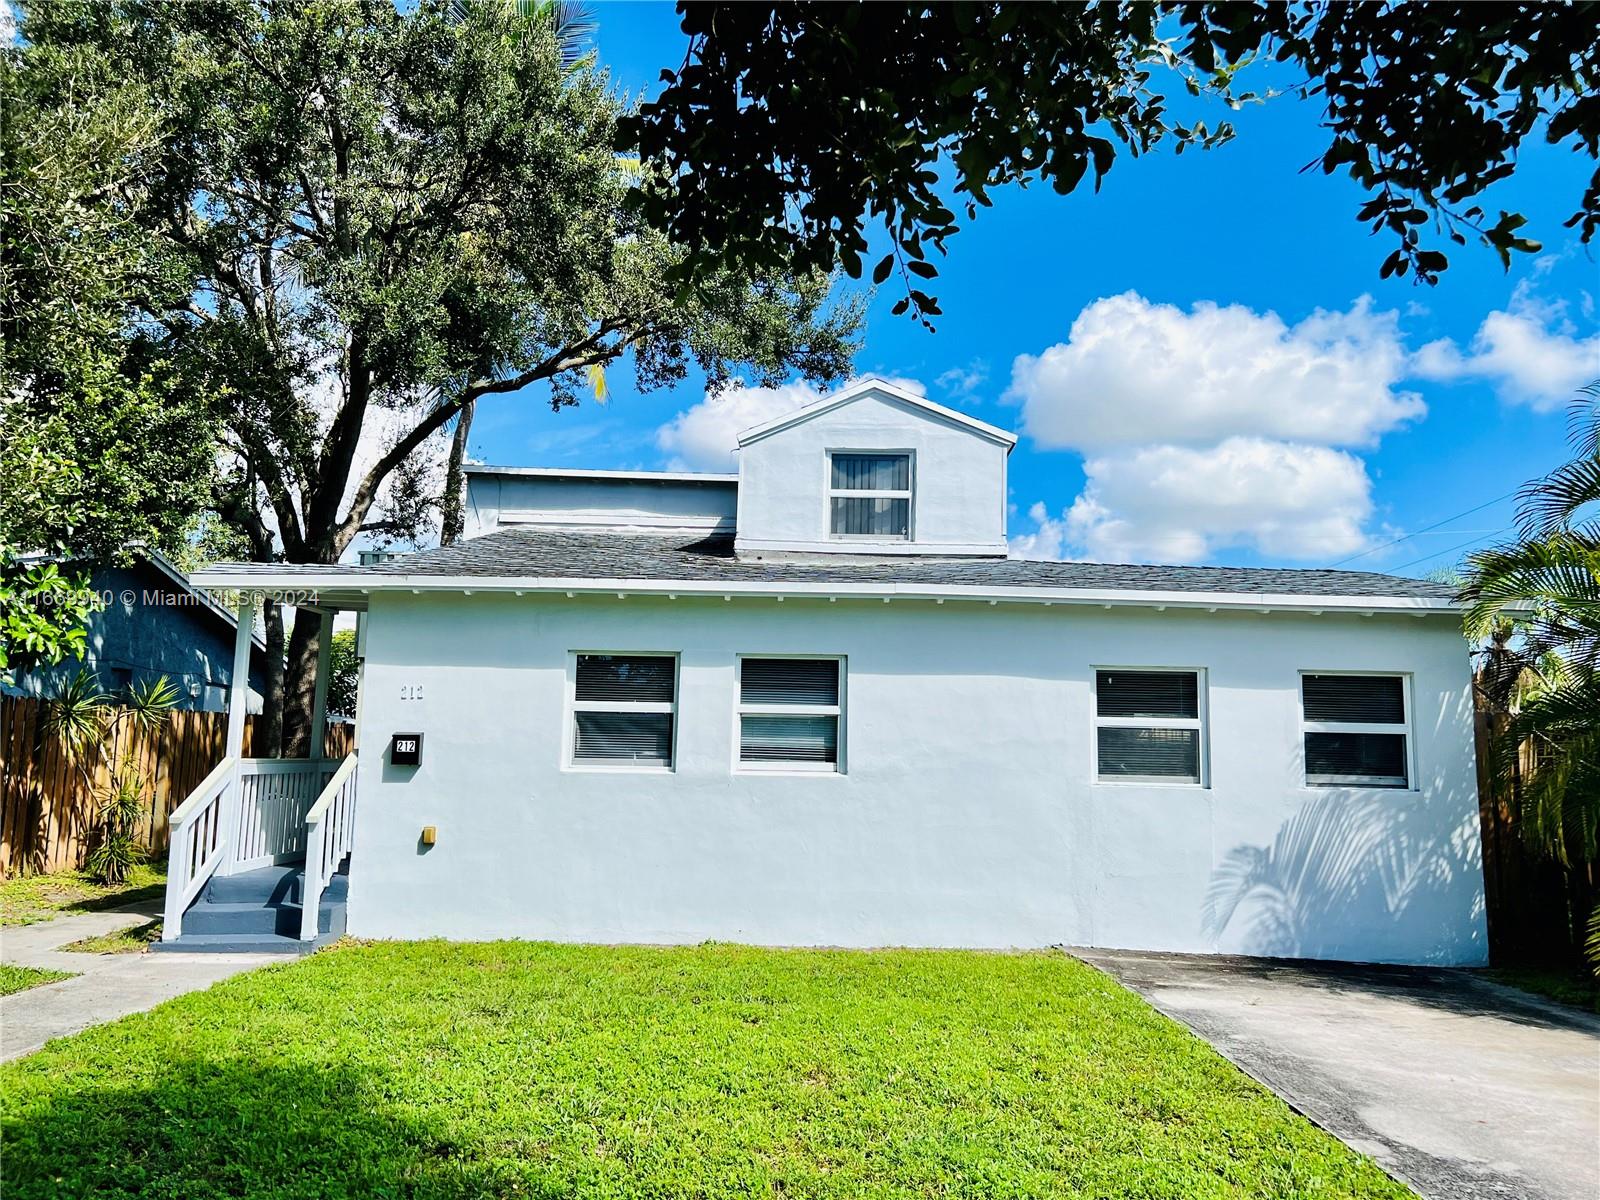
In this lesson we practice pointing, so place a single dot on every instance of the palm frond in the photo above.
(573, 25)
(1583, 421)
(1591, 945)
(1549, 505)
(1557, 573)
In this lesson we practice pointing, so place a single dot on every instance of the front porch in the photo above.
(260, 851)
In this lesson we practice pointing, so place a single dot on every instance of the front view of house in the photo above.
(815, 703)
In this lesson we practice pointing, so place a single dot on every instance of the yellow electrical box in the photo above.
(430, 835)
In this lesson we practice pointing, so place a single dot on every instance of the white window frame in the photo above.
(570, 759)
(1362, 782)
(909, 495)
(1200, 722)
(741, 710)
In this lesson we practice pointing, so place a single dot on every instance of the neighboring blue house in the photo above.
(154, 622)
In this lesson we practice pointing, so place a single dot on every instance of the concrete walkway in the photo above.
(1460, 1087)
(106, 987)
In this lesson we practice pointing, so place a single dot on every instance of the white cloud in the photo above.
(1530, 351)
(1132, 372)
(704, 437)
(963, 381)
(1183, 504)
(1048, 540)
(1213, 428)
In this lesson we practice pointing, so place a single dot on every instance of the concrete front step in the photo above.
(259, 911)
(242, 943)
(283, 918)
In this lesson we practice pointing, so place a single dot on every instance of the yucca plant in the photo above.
(1537, 603)
(116, 850)
(86, 721)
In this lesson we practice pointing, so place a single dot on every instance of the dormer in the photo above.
(578, 501)
(874, 470)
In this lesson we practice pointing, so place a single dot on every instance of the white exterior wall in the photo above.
(959, 481)
(968, 815)
(666, 505)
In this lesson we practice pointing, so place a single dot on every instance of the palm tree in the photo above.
(1537, 603)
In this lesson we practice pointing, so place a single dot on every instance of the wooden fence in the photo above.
(47, 802)
(1536, 907)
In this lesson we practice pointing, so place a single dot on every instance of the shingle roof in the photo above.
(549, 554)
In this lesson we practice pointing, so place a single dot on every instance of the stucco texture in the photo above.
(967, 813)
(958, 480)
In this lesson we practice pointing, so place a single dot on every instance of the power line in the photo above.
(1461, 546)
(1425, 529)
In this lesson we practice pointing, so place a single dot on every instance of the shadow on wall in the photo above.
(1356, 877)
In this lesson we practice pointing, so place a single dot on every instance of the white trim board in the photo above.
(361, 584)
(894, 392)
(707, 477)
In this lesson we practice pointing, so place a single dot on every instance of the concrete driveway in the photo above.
(1462, 1088)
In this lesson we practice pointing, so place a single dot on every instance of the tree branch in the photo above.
(589, 351)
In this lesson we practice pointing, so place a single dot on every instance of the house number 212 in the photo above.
(411, 691)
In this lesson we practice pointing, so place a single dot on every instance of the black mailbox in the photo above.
(405, 749)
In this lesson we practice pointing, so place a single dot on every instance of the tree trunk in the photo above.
(300, 685)
(452, 505)
(269, 740)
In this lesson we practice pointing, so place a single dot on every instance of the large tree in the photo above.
(386, 215)
(106, 438)
(791, 129)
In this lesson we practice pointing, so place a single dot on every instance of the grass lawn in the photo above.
(1578, 987)
(31, 898)
(20, 979)
(132, 940)
(431, 1070)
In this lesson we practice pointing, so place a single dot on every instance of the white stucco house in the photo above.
(815, 703)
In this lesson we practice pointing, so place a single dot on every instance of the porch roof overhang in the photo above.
(346, 588)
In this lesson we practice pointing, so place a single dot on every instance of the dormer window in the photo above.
(869, 496)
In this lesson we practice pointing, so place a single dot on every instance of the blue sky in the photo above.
(1246, 430)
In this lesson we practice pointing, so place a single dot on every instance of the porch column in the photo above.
(238, 709)
(319, 698)
(239, 683)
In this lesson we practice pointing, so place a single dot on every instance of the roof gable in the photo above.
(873, 386)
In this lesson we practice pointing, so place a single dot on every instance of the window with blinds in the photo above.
(789, 713)
(1357, 730)
(869, 496)
(623, 709)
(1149, 726)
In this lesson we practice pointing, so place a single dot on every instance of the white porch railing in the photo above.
(199, 842)
(329, 828)
(250, 813)
(274, 796)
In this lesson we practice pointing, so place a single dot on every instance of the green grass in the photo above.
(1576, 987)
(20, 979)
(31, 898)
(430, 1070)
(132, 940)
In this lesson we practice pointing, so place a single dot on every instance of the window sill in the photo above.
(788, 769)
(1391, 788)
(587, 768)
(1146, 781)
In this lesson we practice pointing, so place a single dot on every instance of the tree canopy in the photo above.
(377, 217)
(791, 129)
(106, 438)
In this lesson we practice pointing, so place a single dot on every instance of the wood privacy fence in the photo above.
(47, 802)
(1536, 907)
